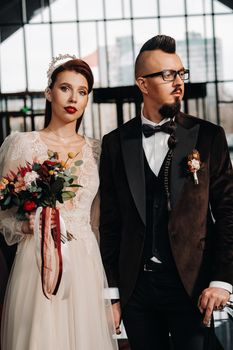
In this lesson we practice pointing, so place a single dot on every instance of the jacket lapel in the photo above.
(187, 134)
(132, 150)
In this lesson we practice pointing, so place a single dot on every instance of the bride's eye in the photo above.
(83, 92)
(64, 88)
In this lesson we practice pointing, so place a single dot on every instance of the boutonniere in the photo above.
(194, 164)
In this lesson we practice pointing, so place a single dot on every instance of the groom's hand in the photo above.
(211, 299)
(116, 309)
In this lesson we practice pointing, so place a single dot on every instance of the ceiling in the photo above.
(11, 12)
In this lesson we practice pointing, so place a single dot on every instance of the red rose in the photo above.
(23, 171)
(29, 205)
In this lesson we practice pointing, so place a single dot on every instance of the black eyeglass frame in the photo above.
(162, 73)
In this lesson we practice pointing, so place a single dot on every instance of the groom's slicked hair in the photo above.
(159, 42)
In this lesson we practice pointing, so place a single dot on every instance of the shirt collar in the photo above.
(147, 121)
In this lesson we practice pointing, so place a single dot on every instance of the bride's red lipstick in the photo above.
(70, 110)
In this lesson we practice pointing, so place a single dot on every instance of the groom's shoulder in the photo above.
(116, 132)
(205, 125)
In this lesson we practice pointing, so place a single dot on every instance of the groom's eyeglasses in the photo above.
(170, 75)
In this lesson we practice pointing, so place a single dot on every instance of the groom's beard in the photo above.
(169, 110)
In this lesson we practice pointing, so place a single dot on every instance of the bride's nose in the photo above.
(73, 98)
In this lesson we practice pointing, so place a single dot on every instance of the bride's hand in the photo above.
(28, 225)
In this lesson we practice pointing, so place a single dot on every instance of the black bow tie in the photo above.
(149, 130)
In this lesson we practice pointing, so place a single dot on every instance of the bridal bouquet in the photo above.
(38, 186)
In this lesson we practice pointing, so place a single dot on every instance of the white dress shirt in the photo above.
(155, 146)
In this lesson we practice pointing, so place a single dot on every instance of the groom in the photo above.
(166, 225)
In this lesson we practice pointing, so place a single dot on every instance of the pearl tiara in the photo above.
(56, 62)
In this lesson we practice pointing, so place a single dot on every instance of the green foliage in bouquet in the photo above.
(39, 184)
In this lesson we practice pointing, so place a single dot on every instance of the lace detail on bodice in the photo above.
(77, 218)
(21, 147)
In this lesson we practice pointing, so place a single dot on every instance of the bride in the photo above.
(82, 320)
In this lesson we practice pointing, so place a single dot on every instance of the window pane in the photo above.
(88, 40)
(210, 67)
(168, 7)
(15, 104)
(39, 103)
(230, 141)
(87, 122)
(88, 46)
(144, 29)
(120, 53)
(102, 57)
(208, 6)
(38, 55)
(113, 9)
(126, 8)
(226, 117)
(197, 50)
(12, 63)
(224, 30)
(195, 107)
(89, 9)
(63, 10)
(96, 121)
(140, 10)
(211, 111)
(195, 7)
(168, 25)
(129, 111)
(181, 50)
(199, 6)
(17, 123)
(225, 91)
(167, 28)
(60, 43)
(108, 117)
(39, 122)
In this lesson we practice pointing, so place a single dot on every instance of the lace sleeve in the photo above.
(12, 154)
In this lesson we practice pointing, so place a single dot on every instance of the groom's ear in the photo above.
(47, 94)
(141, 83)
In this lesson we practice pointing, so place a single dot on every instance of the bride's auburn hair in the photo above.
(77, 65)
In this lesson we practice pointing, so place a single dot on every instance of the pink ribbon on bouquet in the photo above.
(52, 257)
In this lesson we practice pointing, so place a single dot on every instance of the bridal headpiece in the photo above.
(56, 62)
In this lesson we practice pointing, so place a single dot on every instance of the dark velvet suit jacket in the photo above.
(201, 222)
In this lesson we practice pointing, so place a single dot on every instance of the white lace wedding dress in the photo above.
(83, 321)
